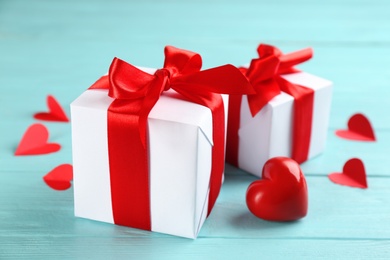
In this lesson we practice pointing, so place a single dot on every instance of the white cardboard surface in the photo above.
(180, 135)
(269, 133)
(266, 135)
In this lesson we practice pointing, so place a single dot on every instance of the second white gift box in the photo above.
(253, 139)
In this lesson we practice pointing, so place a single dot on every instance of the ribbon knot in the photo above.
(165, 74)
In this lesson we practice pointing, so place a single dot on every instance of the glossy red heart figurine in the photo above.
(56, 112)
(282, 193)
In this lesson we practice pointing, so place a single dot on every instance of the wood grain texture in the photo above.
(169, 248)
(62, 47)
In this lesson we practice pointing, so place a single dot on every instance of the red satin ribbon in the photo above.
(264, 74)
(135, 93)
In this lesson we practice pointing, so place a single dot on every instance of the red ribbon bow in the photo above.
(264, 73)
(135, 93)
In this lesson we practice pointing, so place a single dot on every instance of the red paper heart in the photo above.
(34, 142)
(353, 175)
(359, 129)
(59, 178)
(56, 112)
(282, 193)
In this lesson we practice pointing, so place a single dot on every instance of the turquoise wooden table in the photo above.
(61, 47)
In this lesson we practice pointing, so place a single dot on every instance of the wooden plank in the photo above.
(210, 248)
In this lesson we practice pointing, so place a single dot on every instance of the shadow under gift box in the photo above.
(180, 156)
(269, 132)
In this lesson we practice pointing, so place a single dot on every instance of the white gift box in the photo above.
(180, 146)
(269, 133)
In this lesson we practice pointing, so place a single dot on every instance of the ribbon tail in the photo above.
(288, 61)
(101, 83)
(296, 57)
(261, 75)
(265, 93)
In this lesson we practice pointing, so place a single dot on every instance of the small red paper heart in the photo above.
(353, 175)
(282, 193)
(359, 129)
(59, 178)
(56, 112)
(34, 142)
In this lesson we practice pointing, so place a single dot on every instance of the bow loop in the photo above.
(265, 50)
(179, 61)
(127, 81)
